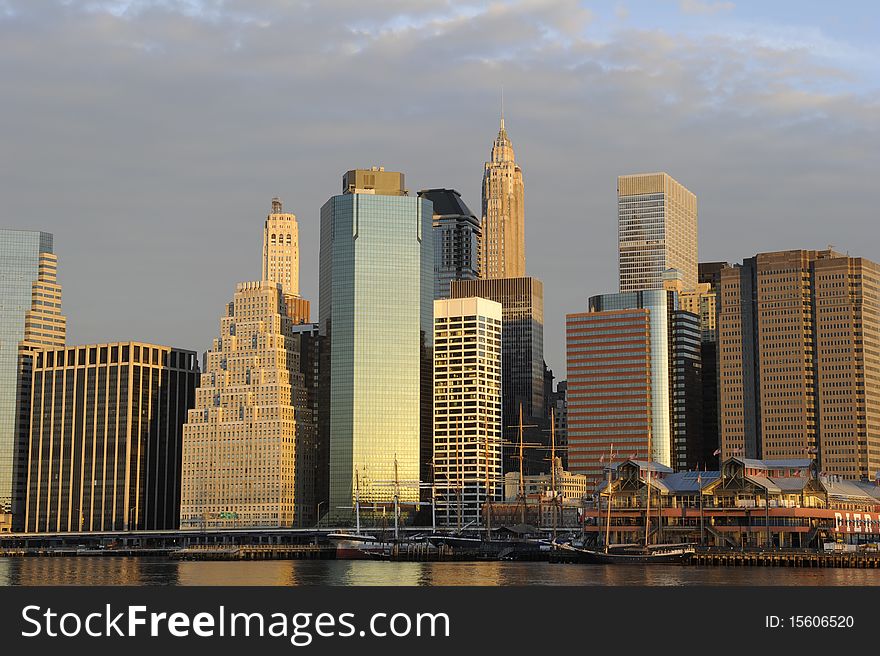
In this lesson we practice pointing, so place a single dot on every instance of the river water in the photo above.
(160, 571)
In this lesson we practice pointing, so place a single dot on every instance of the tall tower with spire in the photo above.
(503, 246)
(281, 249)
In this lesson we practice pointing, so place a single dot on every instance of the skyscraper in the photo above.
(633, 366)
(281, 249)
(30, 318)
(657, 230)
(800, 360)
(376, 314)
(456, 239)
(467, 408)
(248, 444)
(104, 448)
(522, 361)
(503, 242)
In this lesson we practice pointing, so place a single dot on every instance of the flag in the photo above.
(602, 458)
(812, 449)
(716, 452)
(633, 457)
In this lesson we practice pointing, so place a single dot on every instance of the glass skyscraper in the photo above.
(30, 317)
(456, 240)
(376, 311)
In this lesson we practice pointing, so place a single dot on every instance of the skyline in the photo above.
(767, 120)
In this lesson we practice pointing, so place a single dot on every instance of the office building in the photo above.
(456, 239)
(30, 319)
(503, 243)
(376, 315)
(104, 447)
(522, 362)
(281, 249)
(657, 230)
(633, 368)
(467, 408)
(312, 362)
(799, 360)
(248, 443)
(559, 407)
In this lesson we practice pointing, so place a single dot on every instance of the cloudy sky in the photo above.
(150, 136)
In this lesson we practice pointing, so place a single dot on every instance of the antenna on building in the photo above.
(502, 107)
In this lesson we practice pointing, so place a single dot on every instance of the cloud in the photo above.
(703, 8)
(151, 136)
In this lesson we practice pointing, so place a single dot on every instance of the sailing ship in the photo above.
(634, 554)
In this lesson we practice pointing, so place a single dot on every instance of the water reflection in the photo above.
(159, 571)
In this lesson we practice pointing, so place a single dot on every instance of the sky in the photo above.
(151, 136)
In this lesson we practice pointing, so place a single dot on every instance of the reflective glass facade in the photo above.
(655, 302)
(104, 449)
(19, 270)
(376, 311)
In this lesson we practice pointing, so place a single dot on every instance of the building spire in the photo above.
(502, 108)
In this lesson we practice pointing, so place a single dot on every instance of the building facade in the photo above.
(657, 230)
(800, 360)
(248, 443)
(30, 319)
(376, 313)
(467, 408)
(456, 239)
(747, 503)
(522, 362)
(104, 447)
(281, 249)
(633, 380)
(503, 243)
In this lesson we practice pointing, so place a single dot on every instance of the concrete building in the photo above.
(30, 319)
(281, 249)
(800, 360)
(104, 447)
(376, 314)
(503, 244)
(633, 368)
(248, 444)
(657, 230)
(467, 408)
(522, 362)
(456, 239)
(569, 486)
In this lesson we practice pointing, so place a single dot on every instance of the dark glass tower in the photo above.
(456, 239)
(106, 432)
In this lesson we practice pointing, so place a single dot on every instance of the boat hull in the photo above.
(668, 557)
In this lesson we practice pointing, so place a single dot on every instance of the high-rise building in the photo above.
(456, 239)
(248, 443)
(559, 407)
(800, 360)
(376, 315)
(312, 361)
(503, 241)
(522, 361)
(467, 408)
(657, 230)
(104, 448)
(30, 318)
(633, 370)
(281, 249)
